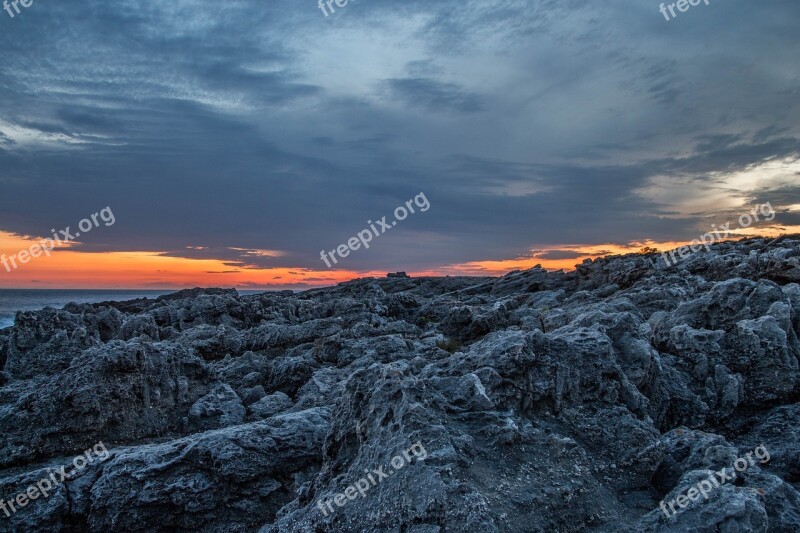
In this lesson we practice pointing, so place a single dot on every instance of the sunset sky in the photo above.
(236, 140)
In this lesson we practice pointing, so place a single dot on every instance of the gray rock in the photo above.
(219, 408)
(544, 401)
(269, 406)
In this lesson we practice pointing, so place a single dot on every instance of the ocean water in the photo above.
(13, 300)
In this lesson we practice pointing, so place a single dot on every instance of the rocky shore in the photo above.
(545, 401)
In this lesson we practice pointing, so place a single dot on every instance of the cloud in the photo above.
(259, 133)
(558, 254)
(434, 95)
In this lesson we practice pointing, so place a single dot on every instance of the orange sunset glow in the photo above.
(68, 267)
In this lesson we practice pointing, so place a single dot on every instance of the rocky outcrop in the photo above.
(544, 401)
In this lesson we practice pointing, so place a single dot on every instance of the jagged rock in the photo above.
(138, 325)
(253, 394)
(270, 405)
(709, 485)
(544, 401)
(220, 408)
(780, 427)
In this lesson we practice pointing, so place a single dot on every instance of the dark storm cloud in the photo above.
(253, 125)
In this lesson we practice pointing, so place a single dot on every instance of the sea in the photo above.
(13, 300)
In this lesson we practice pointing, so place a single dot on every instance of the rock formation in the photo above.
(545, 401)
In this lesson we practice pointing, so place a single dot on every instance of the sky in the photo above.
(234, 141)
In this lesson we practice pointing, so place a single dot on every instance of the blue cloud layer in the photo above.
(265, 125)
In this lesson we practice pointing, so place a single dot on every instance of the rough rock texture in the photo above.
(545, 401)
